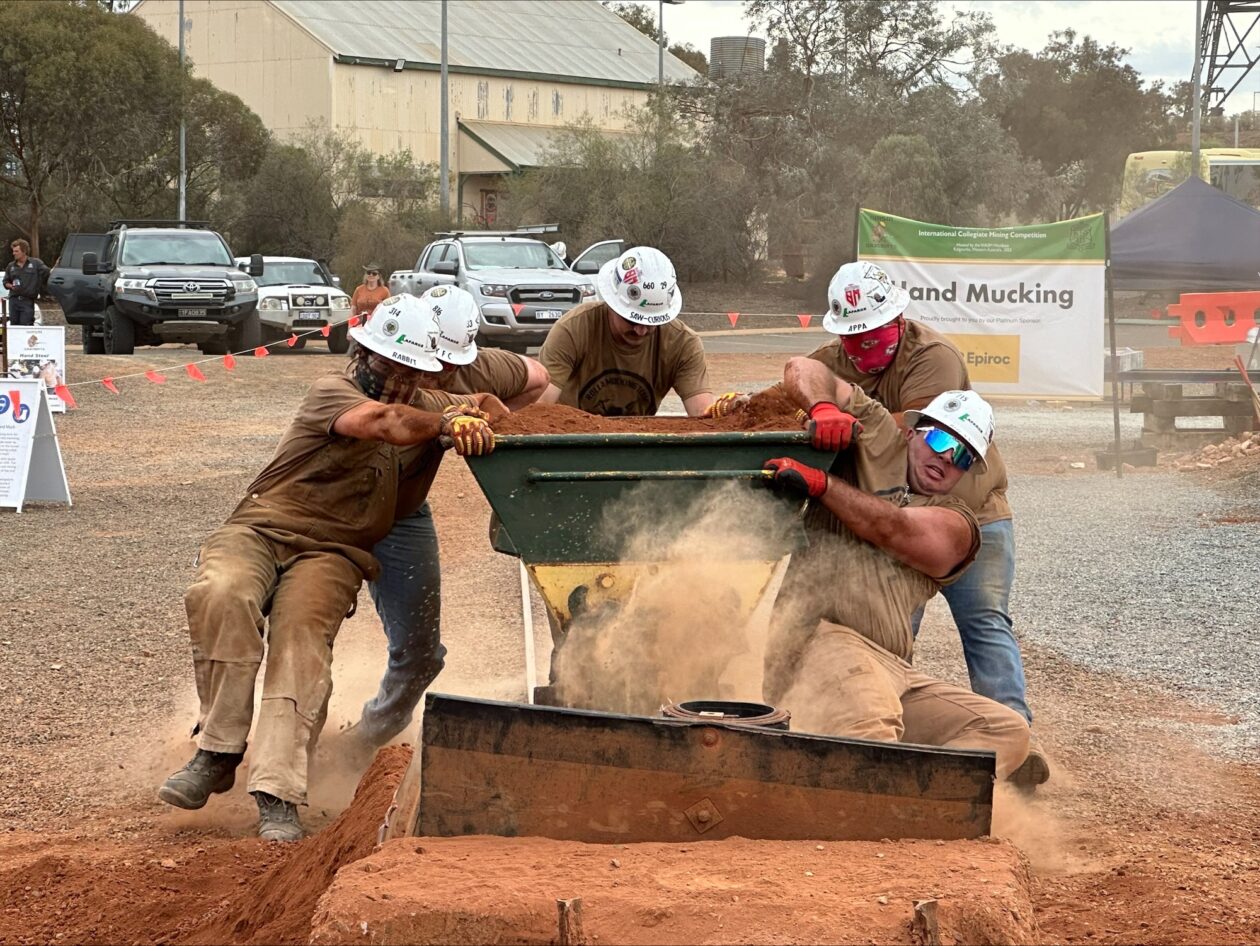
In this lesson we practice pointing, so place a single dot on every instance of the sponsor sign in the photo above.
(39, 352)
(1025, 305)
(30, 457)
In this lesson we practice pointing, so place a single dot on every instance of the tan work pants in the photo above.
(243, 576)
(846, 685)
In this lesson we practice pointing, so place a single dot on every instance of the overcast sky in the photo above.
(1160, 33)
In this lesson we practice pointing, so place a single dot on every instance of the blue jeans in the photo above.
(980, 602)
(408, 597)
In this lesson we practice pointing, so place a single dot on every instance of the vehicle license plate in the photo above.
(192, 313)
(541, 314)
(306, 315)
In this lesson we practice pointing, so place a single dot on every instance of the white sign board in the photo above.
(39, 352)
(1024, 305)
(30, 457)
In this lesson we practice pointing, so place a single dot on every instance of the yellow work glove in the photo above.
(468, 430)
(726, 405)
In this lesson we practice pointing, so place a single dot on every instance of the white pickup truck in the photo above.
(298, 296)
(521, 285)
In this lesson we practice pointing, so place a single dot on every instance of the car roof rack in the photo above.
(534, 229)
(192, 224)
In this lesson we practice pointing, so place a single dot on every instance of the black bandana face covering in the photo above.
(382, 379)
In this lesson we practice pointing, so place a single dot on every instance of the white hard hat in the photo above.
(965, 413)
(640, 285)
(458, 318)
(560, 249)
(861, 297)
(402, 329)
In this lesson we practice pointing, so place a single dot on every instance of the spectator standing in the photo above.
(370, 293)
(24, 278)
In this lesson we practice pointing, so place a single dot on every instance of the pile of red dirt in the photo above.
(195, 890)
(767, 410)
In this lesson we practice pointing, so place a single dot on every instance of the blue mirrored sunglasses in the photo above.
(945, 443)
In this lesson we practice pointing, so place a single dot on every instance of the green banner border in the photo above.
(886, 236)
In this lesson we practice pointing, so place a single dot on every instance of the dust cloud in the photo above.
(687, 630)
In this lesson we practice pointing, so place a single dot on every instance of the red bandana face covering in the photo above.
(871, 352)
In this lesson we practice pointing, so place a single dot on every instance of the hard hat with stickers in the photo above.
(403, 329)
(862, 297)
(458, 318)
(641, 286)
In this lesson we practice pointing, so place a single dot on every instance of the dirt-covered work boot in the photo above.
(206, 774)
(1035, 769)
(277, 818)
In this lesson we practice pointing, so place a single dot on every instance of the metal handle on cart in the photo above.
(603, 476)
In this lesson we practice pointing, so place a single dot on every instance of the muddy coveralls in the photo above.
(290, 559)
(841, 637)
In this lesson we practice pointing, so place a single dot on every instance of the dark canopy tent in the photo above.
(1193, 239)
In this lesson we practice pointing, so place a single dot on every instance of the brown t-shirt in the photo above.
(927, 364)
(848, 581)
(365, 300)
(339, 490)
(601, 375)
(497, 372)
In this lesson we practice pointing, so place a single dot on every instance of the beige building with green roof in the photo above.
(519, 70)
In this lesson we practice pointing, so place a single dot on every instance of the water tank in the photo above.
(731, 56)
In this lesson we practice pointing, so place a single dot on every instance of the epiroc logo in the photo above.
(990, 357)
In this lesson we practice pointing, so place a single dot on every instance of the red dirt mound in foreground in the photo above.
(504, 890)
(197, 889)
(767, 410)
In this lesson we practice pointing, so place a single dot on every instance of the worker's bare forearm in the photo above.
(808, 381)
(398, 424)
(932, 540)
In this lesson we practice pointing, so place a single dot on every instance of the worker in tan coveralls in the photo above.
(295, 551)
(841, 637)
(904, 364)
(621, 356)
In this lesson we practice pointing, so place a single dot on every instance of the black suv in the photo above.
(149, 282)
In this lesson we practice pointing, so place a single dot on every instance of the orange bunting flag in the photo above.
(109, 385)
(63, 392)
(261, 351)
(732, 317)
(291, 340)
(194, 372)
(155, 377)
(516, 308)
(804, 320)
(229, 362)
(354, 320)
(326, 331)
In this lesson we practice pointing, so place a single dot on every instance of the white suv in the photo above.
(298, 296)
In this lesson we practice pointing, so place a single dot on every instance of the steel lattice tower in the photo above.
(1224, 37)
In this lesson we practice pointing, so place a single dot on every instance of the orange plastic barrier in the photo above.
(1214, 318)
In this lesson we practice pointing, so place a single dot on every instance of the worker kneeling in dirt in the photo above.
(295, 551)
(622, 355)
(841, 638)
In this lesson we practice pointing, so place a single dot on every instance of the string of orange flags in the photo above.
(192, 368)
(803, 318)
(195, 373)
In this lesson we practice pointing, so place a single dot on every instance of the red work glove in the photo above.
(797, 476)
(831, 428)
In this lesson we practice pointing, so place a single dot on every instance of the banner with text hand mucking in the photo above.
(1025, 305)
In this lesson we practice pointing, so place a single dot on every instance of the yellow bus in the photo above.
(1148, 174)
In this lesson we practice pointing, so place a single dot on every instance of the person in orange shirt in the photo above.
(370, 293)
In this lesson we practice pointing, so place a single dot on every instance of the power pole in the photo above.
(1195, 104)
(444, 173)
(183, 148)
